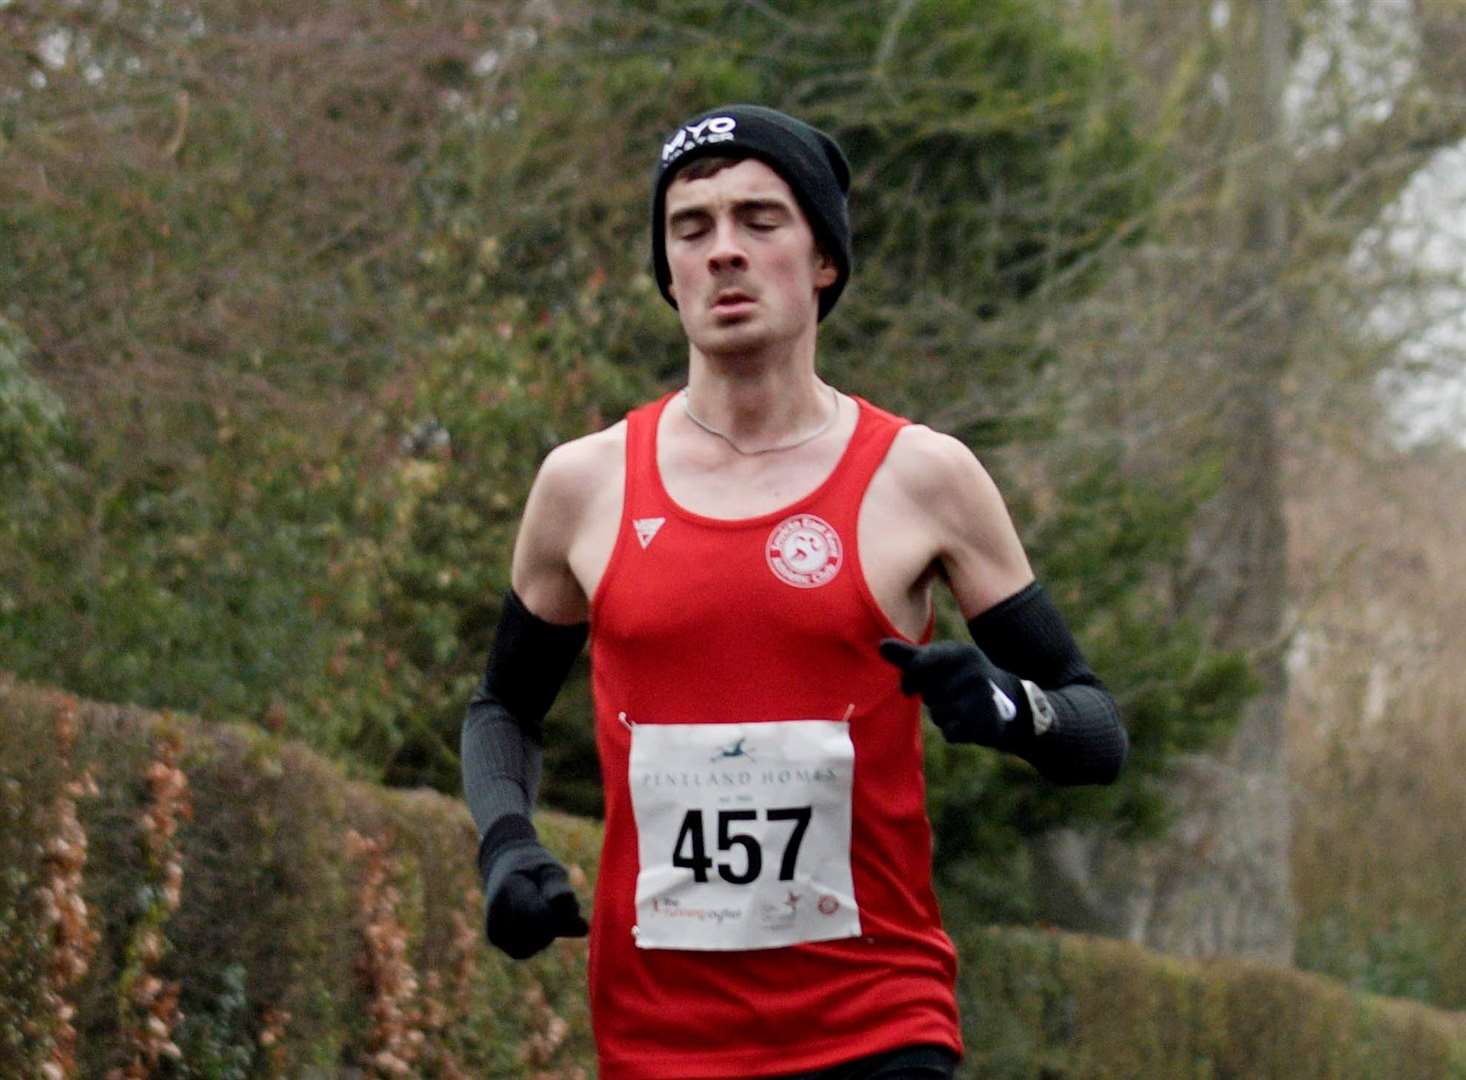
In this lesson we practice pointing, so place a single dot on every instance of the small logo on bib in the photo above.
(782, 914)
(805, 551)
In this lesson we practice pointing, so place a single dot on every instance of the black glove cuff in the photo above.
(509, 831)
(1026, 635)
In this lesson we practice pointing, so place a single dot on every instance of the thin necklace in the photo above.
(811, 437)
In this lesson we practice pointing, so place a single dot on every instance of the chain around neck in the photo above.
(811, 437)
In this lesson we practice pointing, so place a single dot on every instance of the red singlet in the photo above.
(754, 622)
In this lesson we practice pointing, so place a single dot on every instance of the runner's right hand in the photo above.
(527, 892)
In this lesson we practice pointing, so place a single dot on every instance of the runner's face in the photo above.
(744, 265)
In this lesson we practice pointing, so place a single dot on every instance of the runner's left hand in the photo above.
(970, 699)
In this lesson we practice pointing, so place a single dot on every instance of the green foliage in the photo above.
(1110, 552)
(179, 584)
(217, 1044)
(31, 416)
(30, 772)
(32, 459)
(1402, 960)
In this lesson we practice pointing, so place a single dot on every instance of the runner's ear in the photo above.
(825, 270)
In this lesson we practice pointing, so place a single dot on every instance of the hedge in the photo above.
(180, 899)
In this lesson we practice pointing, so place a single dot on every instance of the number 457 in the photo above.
(690, 852)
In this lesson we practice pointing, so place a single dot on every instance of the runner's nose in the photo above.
(727, 253)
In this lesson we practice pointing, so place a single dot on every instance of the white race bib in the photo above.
(744, 834)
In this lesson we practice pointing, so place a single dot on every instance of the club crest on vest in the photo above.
(805, 551)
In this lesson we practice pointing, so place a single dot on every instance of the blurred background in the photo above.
(295, 298)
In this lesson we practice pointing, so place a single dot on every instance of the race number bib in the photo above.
(744, 834)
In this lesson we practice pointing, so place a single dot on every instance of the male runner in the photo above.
(752, 559)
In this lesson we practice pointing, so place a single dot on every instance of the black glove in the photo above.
(527, 892)
(970, 699)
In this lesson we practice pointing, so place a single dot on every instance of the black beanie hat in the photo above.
(809, 161)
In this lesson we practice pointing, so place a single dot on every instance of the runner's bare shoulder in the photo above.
(935, 472)
(578, 474)
(942, 488)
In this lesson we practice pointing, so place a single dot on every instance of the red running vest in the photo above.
(702, 620)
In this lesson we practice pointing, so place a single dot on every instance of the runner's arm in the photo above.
(1063, 721)
(541, 631)
(528, 895)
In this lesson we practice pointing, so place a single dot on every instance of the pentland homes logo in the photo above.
(714, 129)
(688, 779)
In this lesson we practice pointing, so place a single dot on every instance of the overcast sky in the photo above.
(1355, 59)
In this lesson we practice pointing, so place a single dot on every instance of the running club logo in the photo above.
(805, 551)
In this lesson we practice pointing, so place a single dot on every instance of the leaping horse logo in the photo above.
(733, 750)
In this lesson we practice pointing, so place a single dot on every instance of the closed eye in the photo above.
(764, 218)
(688, 225)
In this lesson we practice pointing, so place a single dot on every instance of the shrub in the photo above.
(294, 957)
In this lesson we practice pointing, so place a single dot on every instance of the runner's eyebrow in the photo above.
(759, 205)
(742, 206)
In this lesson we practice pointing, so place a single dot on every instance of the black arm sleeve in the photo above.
(503, 733)
(1026, 635)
